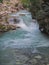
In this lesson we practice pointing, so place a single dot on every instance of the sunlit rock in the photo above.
(38, 57)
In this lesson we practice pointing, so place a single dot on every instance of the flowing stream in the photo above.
(20, 45)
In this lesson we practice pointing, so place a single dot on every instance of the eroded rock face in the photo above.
(41, 13)
(43, 17)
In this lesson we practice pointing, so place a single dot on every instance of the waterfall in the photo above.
(22, 25)
(27, 25)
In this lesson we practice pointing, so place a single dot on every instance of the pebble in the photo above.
(38, 57)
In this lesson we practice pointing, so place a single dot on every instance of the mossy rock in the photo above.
(5, 28)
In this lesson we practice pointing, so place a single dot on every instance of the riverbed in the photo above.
(26, 45)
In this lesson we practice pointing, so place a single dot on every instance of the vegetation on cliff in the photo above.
(25, 3)
(32, 5)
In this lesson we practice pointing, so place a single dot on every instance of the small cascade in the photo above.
(25, 21)
(22, 25)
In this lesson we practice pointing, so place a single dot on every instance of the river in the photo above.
(26, 45)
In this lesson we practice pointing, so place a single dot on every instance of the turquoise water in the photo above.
(27, 39)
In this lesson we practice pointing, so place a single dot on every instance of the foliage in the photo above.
(35, 7)
(31, 3)
(1, 1)
(26, 3)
